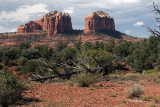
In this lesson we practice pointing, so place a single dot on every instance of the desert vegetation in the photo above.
(90, 57)
(83, 64)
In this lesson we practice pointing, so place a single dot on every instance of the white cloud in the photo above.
(6, 29)
(138, 24)
(110, 4)
(124, 1)
(23, 13)
(119, 12)
(3, 29)
(128, 31)
(13, 30)
(69, 10)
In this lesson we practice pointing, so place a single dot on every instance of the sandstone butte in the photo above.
(52, 23)
(57, 22)
(98, 21)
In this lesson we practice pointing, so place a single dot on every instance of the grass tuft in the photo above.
(135, 91)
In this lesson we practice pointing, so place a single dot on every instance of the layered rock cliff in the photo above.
(97, 21)
(53, 23)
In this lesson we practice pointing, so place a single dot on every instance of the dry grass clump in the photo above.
(85, 79)
(156, 98)
(135, 91)
(145, 98)
(132, 76)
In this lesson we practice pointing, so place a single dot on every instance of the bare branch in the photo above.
(72, 67)
(53, 76)
(45, 65)
(156, 8)
(154, 32)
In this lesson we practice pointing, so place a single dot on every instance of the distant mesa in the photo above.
(54, 22)
(98, 21)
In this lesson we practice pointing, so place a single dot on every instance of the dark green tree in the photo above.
(77, 45)
(139, 60)
(109, 46)
(99, 45)
(30, 67)
(31, 53)
(24, 45)
(61, 45)
(121, 49)
(44, 51)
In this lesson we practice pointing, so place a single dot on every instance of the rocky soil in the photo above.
(103, 94)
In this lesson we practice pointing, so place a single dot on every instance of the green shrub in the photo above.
(18, 68)
(30, 53)
(131, 76)
(22, 61)
(156, 99)
(145, 98)
(85, 79)
(156, 78)
(10, 89)
(30, 66)
(153, 70)
(151, 105)
(5, 60)
(135, 91)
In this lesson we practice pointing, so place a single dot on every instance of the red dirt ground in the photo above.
(105, 94)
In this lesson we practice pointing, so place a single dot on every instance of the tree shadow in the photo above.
(27, 101)
(112, 33)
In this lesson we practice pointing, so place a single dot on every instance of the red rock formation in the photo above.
(97, 21)
(29, 27)
(53, 22)
(21, 29)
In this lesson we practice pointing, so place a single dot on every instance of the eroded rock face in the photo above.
(53, 23)
(31, 26)
(97, 21)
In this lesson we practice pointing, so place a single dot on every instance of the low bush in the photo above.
(131, 76)
(10, 89)
(153, 70)
(5, 60)
(135, 91)
(18, 68)
(156, 99)
(151, 105)
(145, 98)
(30, 53)
(30, 67)
(85, 79)
(22, 61)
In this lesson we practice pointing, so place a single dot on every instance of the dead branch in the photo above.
(51, 77)
(43, 64)
(154, 32)
(156, 8)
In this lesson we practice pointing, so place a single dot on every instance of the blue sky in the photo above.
(130, 15)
